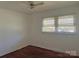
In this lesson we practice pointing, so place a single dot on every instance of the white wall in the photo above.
(13, 30)
(55, 41)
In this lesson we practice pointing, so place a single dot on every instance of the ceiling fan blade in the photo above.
(32, 4)
(39, 4)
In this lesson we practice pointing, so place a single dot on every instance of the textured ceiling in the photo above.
(23, 6)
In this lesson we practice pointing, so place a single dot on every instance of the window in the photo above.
(59, 24)
(48, 25)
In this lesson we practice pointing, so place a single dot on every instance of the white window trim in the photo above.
(56, 27)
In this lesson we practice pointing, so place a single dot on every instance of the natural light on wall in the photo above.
(59, 24)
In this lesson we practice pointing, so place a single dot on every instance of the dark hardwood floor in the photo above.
(37, 52)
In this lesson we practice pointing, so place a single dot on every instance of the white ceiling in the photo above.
(23, 6)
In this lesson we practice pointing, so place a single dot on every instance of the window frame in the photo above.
(56, 25)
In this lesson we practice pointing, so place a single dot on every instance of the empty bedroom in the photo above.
(39, 29)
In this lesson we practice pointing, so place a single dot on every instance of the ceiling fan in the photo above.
(32, 4)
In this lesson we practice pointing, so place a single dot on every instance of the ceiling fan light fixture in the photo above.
(33, 4)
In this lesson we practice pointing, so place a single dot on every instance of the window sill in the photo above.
(69, 33)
